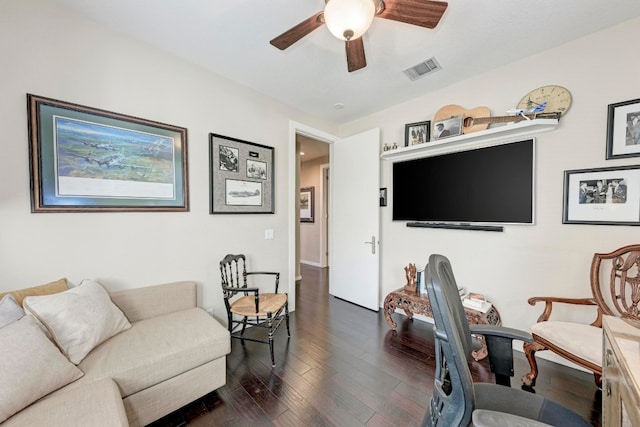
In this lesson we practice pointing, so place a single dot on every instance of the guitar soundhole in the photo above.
(467, 121)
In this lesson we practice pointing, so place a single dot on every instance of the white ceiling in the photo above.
(231, 38)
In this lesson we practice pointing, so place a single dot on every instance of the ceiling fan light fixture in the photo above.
(349, 19)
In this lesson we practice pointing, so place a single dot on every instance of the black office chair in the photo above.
(457, 401)
(254, 308)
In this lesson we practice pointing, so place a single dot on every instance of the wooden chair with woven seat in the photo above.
(615, 288)
(252, 308)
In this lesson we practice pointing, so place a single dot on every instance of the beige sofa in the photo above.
(173, 354)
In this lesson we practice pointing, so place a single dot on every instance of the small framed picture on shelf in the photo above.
(417, 133)
(623, 129)
(447, 128)
(606, 196)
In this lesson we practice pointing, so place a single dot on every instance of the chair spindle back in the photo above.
(615, 282)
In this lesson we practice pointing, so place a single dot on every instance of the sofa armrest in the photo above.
(151, 301)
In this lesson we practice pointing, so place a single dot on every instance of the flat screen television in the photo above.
(489, 185)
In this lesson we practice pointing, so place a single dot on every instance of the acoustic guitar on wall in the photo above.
(480, 118)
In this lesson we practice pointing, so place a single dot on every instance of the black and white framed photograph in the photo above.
(84, 159)
(607, 196)
(447, 128)
(242, 176)
(417, 133)
(383, 196)
(623, 129)
(306, 204)
(228, 158)
(256, 169)
(242, 193)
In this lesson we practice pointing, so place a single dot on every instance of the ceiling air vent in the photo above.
(422, 69)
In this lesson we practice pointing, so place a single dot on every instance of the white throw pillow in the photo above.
(78, 319)
(31, 366)
(10, 310)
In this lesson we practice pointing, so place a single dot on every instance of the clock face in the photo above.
(558, 99)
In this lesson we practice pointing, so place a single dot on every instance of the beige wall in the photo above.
(52, 52)
(311, 232)
(548, 258)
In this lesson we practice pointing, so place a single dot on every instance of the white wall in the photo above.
(311, 232)
(548, 258)
(51, 52)
(55, 53)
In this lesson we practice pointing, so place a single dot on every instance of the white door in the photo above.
(354, 220)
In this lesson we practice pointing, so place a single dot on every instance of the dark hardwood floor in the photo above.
(343, 366)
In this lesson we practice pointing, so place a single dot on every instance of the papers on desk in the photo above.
(476, 304)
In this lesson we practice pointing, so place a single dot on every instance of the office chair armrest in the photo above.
(502, 332)
(499, 345)
(270, 273)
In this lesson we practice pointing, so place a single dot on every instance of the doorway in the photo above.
(295, 130)
(312, 178)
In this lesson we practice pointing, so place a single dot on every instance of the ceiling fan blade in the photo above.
(294, 34)
(415, 12)
(355, 54)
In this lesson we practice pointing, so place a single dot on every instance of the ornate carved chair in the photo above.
(252, 307)
(457, 401)
(615, 288)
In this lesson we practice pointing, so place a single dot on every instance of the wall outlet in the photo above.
(268, 234)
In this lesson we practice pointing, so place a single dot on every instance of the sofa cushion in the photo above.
(10, 311)
(59, 285)
(31, 366)
(78, 319)
(585, 341)
(157, 349)
(97, 405)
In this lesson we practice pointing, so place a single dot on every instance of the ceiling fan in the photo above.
(348, 20)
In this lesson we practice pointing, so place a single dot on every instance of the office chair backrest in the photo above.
(452, 403)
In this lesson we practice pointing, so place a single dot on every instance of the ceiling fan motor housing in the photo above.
(349, 19)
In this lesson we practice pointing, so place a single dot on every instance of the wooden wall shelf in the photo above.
(486, 138)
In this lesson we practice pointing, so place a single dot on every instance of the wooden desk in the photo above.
(621, 373)
(413, 303)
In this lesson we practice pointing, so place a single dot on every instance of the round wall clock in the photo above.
(558, 99)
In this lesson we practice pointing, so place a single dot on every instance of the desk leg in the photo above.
(390, 305)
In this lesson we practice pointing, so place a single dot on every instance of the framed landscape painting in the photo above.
(84, 159)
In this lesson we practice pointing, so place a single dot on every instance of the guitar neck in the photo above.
(517, 118)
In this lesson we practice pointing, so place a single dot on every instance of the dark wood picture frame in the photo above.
(623, 129)
(241, 176)
(602, 196)
(85, 159)
(307, 204)
(417, 133)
